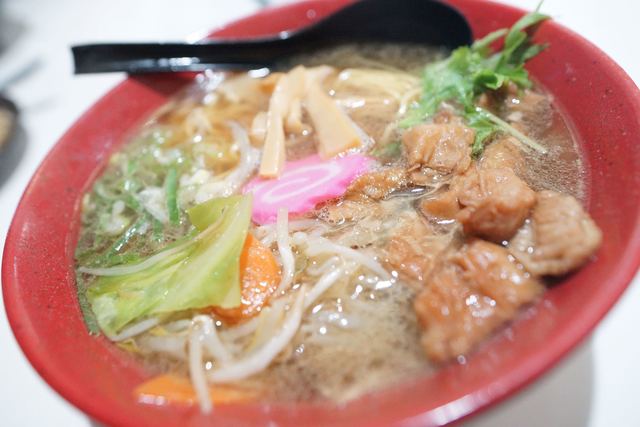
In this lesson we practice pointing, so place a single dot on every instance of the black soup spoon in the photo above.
(425, 22)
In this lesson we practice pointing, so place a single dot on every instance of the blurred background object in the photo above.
(8, 114)
(10, 148)
(8, 110)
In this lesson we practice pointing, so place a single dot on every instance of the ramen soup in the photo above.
(364, 217)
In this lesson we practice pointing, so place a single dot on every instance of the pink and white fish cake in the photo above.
(303, 184)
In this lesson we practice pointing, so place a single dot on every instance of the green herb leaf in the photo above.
(484, 44)
(484, 129)
(471, 71)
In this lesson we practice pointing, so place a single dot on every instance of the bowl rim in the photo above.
(526, 373)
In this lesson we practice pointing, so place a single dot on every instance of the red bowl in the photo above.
(598, 99)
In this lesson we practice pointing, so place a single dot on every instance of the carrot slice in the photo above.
(259, 277)
(174, 389)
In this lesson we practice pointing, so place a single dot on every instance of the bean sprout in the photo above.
(263, 356)
(321, 245)
(196, 370)
(135, 329)
(284, 247)
(210, 339)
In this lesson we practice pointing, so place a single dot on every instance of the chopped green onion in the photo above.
(171, 189)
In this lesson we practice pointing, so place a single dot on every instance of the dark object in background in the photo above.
(12, 140)
(427, 22)
(8, 115)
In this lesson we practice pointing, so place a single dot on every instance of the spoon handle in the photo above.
(171, 57)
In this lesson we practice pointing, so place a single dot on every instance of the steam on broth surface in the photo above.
(421, 240)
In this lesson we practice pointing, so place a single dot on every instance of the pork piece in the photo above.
(339, 212)
(559, 237)
(529, 111)
(441, 206)
(412, 251)
(358, 202)
(426, 177)
(502, 153)
(444, 147)
(495, 203)
(447, 115)
(468, 296)
(378, 184)
(526, 103)
(493, 100)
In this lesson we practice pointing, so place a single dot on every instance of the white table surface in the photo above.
(593, 387)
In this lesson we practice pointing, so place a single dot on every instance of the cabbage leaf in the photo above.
(200, 272)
